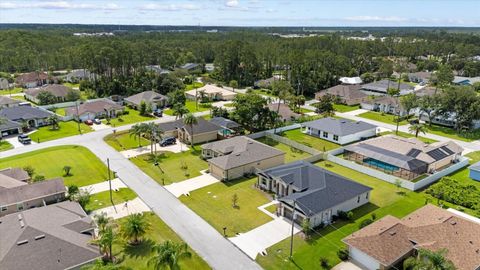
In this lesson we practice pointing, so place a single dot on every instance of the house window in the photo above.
(335, 137)
(366, 196)
(358, 199)
(325, 134)
(264, 181)
(3, 209)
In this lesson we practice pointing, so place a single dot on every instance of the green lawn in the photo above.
(21, 98)
(325, 242)
(72, 85)
(61, 111)
(4, 145)
(385, 118)
(462, 175)
(214, 204)
(15, 90)
(192, 86)
(345, 108)
(132, 116)
(171, 165)
(408, 135)
(136, 257)
(272, 208)
(87, 169)
(303, 110)
(310, 141)
(66, 129)
(102, 199)
(192, 107)
(453, 134)
(264, 92)
(123, 141)
(291, 153)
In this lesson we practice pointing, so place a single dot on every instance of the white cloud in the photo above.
(58, 5)
(376, 19)
(169, 7)
(232, 3)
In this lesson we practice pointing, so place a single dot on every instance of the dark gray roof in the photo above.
(340, 127)
(224, 122)
(157, 69)
(38, 238)
(19, 113)
(147, 96)
(80, 74)
(475, 166)
(317, 189)
(9, 124)
(239, 151)
(189, 66)
(382, 86)
(32, 191)
(202, 126)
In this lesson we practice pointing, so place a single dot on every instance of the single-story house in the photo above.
(226, 126)
(284, 112)
(239, 156)
(100, 108)
(53, 237)
(460, 80)
(33, 116)
(348, 94)
(267, 83)
(191, 67)
(386, 243)
(9, 127)
(341, 131)
(422, 77)
(60, 92)
(34, 79)
(203, 131)
(475, 171)
(212, 92)
(381, 87)
(385, 104)
(8, 102)
(17, 195)
(4, 84)
(78, 75)
(351, 80)
(407, 158)
(157, 69)
(155, 100)
(316, 194)
(209, 67)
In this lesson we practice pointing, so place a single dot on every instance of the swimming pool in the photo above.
(381, 165)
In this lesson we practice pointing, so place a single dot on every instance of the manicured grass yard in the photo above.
(385, 118)
(310, 141)
(345, 108)
(453, 134)
(72, 85)
(61, 111)
(22, 98)
(132, 116)
(15, 90)
(264, 92)
(136, 257)
(171, 164)
(408, 135)
(214, 204)
(123, 140)
(87, 169)
(272, 208)
(102, 199)
(291, 153)
(192, 86)
(4, 145)
(66, 129)
(192, 107)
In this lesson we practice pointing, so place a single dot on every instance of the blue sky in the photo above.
(245, 12)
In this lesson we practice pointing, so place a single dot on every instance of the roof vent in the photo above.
(19, 243)
(41, 236)
(393, 233)
(453, 222)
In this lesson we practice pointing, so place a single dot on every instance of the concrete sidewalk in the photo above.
(104, 186)
(175, 148)
(122, 210)
(185, 187)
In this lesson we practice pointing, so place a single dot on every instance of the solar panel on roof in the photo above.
(437, 154)
(446, 149)
(413, 152)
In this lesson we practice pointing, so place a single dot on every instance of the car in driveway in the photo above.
(89, 122)
(168, 141)
(97, 121)
(24, 139)
(158, 113)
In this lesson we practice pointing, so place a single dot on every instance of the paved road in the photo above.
(216, 250)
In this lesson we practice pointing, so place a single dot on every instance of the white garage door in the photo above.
(364, 259)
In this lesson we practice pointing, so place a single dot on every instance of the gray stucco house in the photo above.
(154, 99)
(316, 194)
(33, 116)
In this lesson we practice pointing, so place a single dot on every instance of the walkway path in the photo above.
(185, 187)
(124, 209)
(104, 186)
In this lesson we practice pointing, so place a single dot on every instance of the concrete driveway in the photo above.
(185, 187)
(101, 126)
(104, 186)
(346, 266)
(14, 141)
(122, 210)
(176, 148)
(259, 239)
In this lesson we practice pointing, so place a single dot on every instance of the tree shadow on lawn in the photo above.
(141, 250)
(232, 183)
(358, 213)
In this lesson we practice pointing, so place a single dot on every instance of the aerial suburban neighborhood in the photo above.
(239, 135)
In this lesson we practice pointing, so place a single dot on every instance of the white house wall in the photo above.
(343, 139)
(363, 259)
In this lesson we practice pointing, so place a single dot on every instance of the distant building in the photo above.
(422, 77)
(381, 87)
(151, 98)
(191, 67)
(459, 80)
(59, 91)
(284, 111)
(100, 108)
(157, 69)
(78, 75)
(384, 104)
(212, 92)
(351, 80)
(34, 79)
(346, 94)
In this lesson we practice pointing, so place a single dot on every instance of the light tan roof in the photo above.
(429, 227)
(57, 90)
(211, 89)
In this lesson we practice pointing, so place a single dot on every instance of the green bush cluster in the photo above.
(452, 191)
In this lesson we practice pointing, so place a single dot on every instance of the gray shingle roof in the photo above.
(203, 126)
(19, 113)
(382, 86)
(224, 122)
(96, 106)
(147, 96)
(239, 151)
(9, 124)
(50, 244)
(4, 101)
(57, 90)
(320, 189)
(9, 196)
(340, 127)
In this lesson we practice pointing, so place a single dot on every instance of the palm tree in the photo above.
(102, 220)
(155, 135)
(417, 128)
(429, 260)
(135, 227)
(190, 120)
(106, 237)
(137, 131)
(53, 121)
(168, 254)
(179, 110)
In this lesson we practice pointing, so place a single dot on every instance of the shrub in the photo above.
(374, 216)
(342, 215)
(38, 178)
(350, 215)
(452, 191)
(365, 223)
(324, 263)
(30, 170)
(343, 254)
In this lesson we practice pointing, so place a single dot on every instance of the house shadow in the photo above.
(139, 251)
